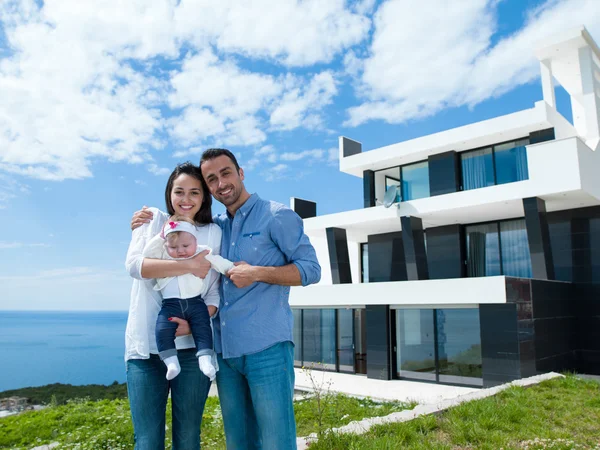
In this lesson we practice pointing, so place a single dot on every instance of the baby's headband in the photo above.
(171, 227)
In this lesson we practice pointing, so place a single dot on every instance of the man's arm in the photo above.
(287, 232)
(243, 275)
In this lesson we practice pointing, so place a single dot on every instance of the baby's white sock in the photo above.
(173, 367)
(207, 367)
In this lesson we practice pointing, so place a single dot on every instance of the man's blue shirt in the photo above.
(262, 233)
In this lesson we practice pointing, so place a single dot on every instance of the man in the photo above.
(253, 329)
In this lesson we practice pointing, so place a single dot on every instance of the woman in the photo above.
(185, 195)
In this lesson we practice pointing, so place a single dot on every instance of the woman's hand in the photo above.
(141, 217)
(183, 327)
(212, 310)
(198, 265)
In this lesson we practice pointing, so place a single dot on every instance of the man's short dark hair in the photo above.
(213, 153)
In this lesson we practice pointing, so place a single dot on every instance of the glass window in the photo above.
(511, 161)
(459, 346)
(516, 261)
(477, 169)
(364, 267)
(360, 340)
(297, 336)
(594, 249)
(483, 250)
(415, 181)
(389, 182)
(562, 256)
(319, 338)
(345, 340)
(415, 352)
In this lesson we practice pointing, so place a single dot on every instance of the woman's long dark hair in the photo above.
(205, 214)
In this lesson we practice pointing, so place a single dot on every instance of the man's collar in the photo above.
(246, 207)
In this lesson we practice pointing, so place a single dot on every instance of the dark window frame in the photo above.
(494, 166)
(497, 222)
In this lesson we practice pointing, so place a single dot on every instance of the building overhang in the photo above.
(562, 49)
(450, 293)
(480, 134)
(563, 173)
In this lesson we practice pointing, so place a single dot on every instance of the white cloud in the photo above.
(12, 245)
(276, 172)
(10, 189)
(311, 154)
(140, 182)
(83, 81)
(291, 32)
(156, 170)
(423, 60)
(228, 106)
(298, 105)
(67, 94)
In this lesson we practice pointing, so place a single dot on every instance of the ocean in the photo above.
(38, 348)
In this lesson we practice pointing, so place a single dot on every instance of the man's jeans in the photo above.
(148, 390)
(256, 393)
(195, 311)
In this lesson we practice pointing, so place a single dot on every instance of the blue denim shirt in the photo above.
(262, 233)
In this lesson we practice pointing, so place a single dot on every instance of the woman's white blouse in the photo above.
(145, 303)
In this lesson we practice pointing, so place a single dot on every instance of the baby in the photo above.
(182, 296)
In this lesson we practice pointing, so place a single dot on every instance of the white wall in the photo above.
(562, 172)
(426, 293)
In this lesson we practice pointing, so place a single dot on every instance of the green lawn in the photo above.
(562, 413)
(106, 424)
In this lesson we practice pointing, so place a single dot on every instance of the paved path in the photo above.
(401, 390)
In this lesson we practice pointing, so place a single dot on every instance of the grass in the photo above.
(59, 393)
(95, 425)
(559, 414)
(562, 413)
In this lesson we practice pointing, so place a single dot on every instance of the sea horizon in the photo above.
(76, 347)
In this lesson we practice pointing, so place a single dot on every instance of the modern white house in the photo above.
(476, 257)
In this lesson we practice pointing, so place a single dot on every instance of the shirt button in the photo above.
(226, 303)
(243, 214)
(233, 243)
(226, 282)
(223, 323)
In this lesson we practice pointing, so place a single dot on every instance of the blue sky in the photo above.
(99, 101)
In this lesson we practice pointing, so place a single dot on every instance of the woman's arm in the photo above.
(139, 238)
(161, 268)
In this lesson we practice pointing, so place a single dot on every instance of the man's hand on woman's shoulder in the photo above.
(141, 217)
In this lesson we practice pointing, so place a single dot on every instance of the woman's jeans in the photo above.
(195, 311)
(256, 393)
(148, 390)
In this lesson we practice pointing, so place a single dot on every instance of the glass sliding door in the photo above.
(483, 250)
(516, 261)
(345, 340)
(364, 263)
(415, 344)
(319, 338)
(415, 181)
(360, 341)
(511, 161)
(459, 346)
(477, 169)
(297, 336)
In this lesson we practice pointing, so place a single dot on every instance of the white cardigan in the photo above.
(145, 303)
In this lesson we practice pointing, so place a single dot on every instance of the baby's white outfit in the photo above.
(184, 286)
